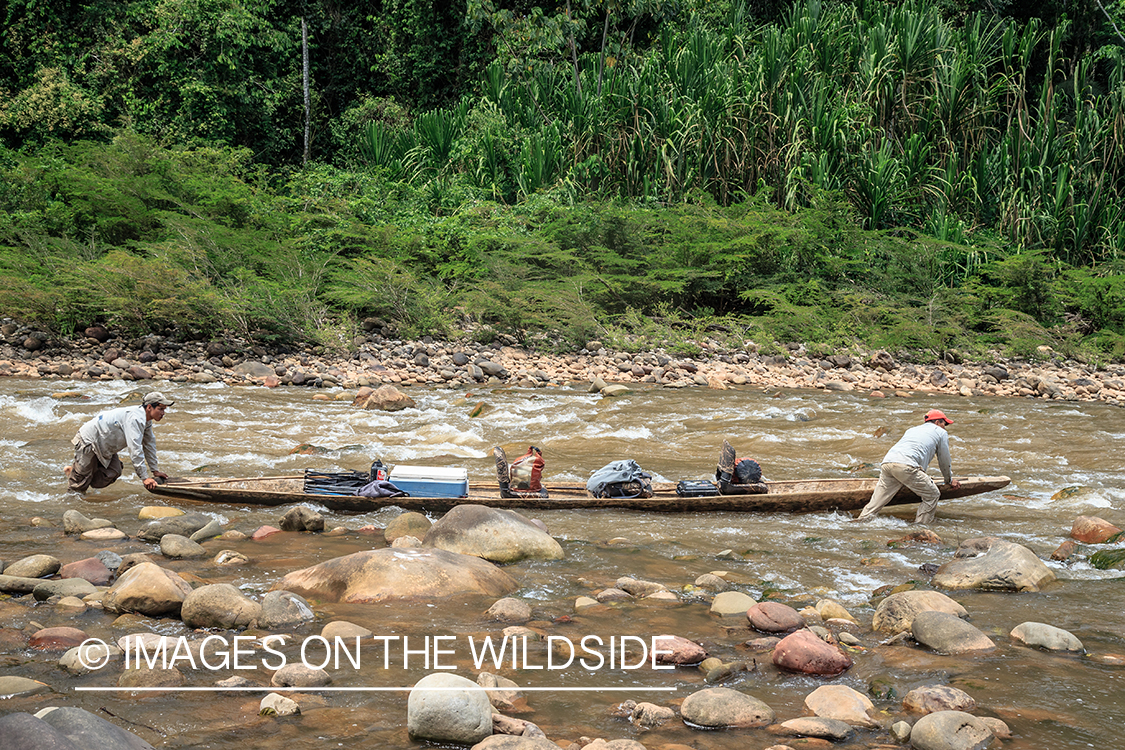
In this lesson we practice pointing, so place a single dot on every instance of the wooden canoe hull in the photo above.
(805, 496)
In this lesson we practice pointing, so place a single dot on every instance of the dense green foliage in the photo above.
(903, 176)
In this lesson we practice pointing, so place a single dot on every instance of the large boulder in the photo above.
(22, 731)
(774, 617)
(89, 730)
(723, 707)
(896, 613)
(147, 589)
(184, 525)
(1093, 530)
(502, 536)
(949, 634)
(950, 730)
(398, 574)
(843, 703)
(219, 605)
(386, 398)
(932, 698)
(1048, 637)
(407, 524)
(994, 564)
(805, 652)
(446, 707)
(35, 566)
(284, 610)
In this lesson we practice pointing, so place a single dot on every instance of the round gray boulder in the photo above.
(1038, 635)
(993, 564)
(896, 613)
(446, 707)
(950, 730)
(502, 536)
(723, 707)
(949, 634)
(219, 605)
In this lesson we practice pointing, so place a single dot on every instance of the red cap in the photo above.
(933, 414)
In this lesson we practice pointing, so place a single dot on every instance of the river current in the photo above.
(1049, 700)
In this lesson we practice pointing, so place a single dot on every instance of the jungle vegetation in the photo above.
(913, 176)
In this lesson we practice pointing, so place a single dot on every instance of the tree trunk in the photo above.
(305, 76)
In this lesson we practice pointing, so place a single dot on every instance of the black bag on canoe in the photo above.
(696, 488)
(333, 483)
(747, 471)
(620, 479)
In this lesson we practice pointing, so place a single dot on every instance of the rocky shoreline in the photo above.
(379, 359)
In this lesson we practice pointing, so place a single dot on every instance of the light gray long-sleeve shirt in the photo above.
(116, 430)
(918, 446)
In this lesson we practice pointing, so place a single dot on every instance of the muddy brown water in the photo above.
(1049, 701)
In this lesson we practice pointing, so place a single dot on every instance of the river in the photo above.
(1048, 700)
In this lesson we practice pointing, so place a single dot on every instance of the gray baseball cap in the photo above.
(156, 397)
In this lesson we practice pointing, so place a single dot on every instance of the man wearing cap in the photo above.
(100, 440)
(905, 466)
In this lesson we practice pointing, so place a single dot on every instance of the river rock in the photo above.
(104, 535)
(458, 712)
(80, 659)
(509, 610)
(275, 704)
(387, 398)
(213, 529)
(950, 730)
(184, 525)
(502, 692)
(896, 613)
(832, 730)
(996, 564)
(57, 639)
(176, 547)
(147, 589)
(713, 708)
(1040, 635)
(398, 574)
(949, 634)
(713, 583)
(407, 524)
(1093, 530)
(219, 605)
(682, 651)
(78, 587)
(511, 742)
(804, 652)
(774, 617)
(12, 686)
(344, 629)
(76, 523)
(22, 731)
(229, 557)
(283, 610)
(302, 518)
(300, 675)
(18, 584)
(927, 700)
(91, 569)
(830, 609)
(843, 703)
(34, 566)
(153, 512)
(731, 604)
(145, 677)
(650, 715)
(89, 730)
(502, 536)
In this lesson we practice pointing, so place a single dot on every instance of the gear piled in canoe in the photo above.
(524, 477)
(738, 477)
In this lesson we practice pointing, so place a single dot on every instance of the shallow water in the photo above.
(1049, 701)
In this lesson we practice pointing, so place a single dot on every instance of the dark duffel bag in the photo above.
(696, 488)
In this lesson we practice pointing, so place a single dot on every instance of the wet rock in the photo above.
(81, 658)
(76, 523)
(650, 715)
(18, 584)
(34, 566)
(147, 589)
(150, 678)
(176, 547)
(1093, 530)
(682, 651)
(992, 563)
(57, 639)
(154, 512)
(713, 708)
(12, 686)
(91, 569)
(927, 700)
(22, 731)
(264, 532)
(774, 617)
(398, 574)
(896, 613)
(210, 531)
(509, 610)
(388, 398)
(509, 742)
(78, 587)
(950, 730)
(108, 534)
(278, 705)
(299, 675)
(89, 730)
(497, 535)
(638, 588)
(228, 557)
(731, 604)
(502, 692)
(804, 652)
(407, 524)
(459, 712)
(832, 730)
(1040, 635)
(184, 525)
(284, 610)
(833, 610)
(712, 583)
(302, 518)
(219, 605)
(344, 629)
(949, 634)
(1065, 551)
(407, 541)
(842, 703)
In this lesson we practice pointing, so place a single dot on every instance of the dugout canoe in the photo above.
(801, 496)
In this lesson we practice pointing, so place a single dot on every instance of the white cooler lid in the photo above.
(439, 473)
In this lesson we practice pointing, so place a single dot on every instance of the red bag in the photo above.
(526, 472)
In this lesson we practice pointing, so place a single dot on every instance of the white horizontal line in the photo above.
(362, 689)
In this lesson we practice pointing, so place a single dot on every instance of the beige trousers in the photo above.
(87, 471)
(892, 477)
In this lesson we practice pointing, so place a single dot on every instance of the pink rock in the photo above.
(1092, 530)
(57, 639)
(91, 569)
(804, 652)
(263, 532)
(682, 650)
(774, 617)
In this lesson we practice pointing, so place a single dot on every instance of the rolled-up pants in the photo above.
(892, 477)
(87, 471)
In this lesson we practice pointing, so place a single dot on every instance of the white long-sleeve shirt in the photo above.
(116, 430)
(918, 446)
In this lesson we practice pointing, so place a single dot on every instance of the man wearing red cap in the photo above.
(905, 466)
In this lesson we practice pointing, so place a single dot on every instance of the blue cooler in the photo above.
(431, 481)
